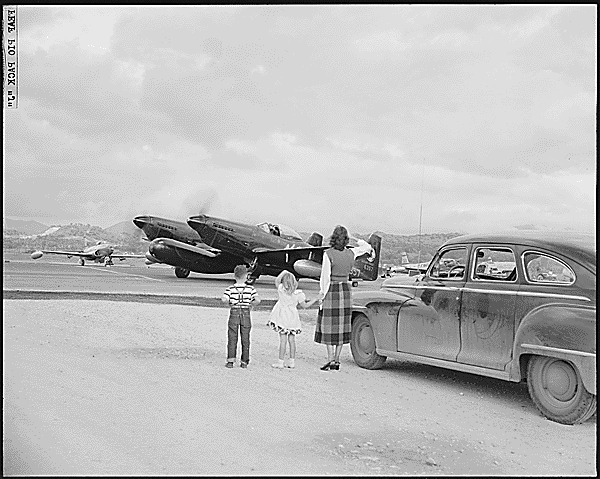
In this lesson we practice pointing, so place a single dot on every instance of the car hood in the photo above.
(400, 280)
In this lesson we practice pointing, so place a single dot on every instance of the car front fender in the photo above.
(381, 307)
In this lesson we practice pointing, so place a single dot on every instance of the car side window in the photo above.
(542, 268)
(494, 264)
(449, 264)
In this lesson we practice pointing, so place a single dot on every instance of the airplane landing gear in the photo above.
(253, 272)
(182, 272)
(108, 262)
(81, 262)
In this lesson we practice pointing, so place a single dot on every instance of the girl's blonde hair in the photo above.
(288, 280)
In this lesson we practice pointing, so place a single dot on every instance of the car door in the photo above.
(488, 307)
(429, 324)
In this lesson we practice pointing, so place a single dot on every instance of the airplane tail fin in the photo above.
(315, 239)
(404, 258)
(368, 264)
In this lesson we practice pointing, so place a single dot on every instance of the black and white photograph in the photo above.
(299, 240)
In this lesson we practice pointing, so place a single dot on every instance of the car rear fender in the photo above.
(562, 331)
(381, 307)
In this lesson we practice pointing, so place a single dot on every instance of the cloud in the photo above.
(318, 114)
(384, 41)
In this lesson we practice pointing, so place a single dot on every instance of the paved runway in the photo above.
(62, 275)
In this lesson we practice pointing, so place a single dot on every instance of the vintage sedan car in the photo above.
(533, 319)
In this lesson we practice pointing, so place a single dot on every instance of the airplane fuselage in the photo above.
(214, 245)
(243, 241)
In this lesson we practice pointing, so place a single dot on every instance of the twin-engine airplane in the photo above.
(99, 253)
(213, 245)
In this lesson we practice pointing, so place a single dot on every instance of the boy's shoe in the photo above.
(229, 364)
(243, 365)
(291, 364)
(278, 364)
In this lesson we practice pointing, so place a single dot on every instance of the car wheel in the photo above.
(182, 272)
(557, 390)
(362, 344)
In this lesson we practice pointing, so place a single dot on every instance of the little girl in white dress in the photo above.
(284, 317)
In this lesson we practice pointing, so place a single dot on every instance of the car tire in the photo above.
(362, 344)
(182, 272)
(557, 390)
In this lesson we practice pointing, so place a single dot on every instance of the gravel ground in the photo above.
(124, 388)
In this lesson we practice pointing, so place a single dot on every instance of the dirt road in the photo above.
(100, 387)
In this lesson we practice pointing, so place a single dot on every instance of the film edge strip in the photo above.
(10, 42)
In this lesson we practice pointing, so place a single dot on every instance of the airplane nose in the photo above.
(141, 221)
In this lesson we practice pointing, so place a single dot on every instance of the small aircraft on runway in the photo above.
(214, 245)
(101, 252)
(413, 269)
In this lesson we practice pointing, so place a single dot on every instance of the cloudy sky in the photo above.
(310, 116)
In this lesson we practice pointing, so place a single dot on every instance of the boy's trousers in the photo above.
(239, 317)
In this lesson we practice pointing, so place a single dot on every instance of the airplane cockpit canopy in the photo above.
(280, 230)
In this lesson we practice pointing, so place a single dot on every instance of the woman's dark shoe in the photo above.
(335, 366)
(327, 366)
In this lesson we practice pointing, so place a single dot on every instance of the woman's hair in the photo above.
(288, 280)
(339, 238)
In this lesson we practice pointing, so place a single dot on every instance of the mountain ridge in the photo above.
(126, 236)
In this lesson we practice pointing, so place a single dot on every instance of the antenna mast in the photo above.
(421, 209)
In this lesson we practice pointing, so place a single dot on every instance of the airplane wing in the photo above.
(302, 249)
(202, 249)
(126, 256)
(277, 257)
(66, 253)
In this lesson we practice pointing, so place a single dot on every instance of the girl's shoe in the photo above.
(327, 366)
(278, 364)
(335, 366)
(291, 364)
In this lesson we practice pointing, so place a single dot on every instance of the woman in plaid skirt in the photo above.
(334, 320)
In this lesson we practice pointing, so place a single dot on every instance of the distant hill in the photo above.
(392, 246)
(74, 236)
(126, 227)
(26, 227)
(127, 237)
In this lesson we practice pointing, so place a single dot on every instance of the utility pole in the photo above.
(421, 209)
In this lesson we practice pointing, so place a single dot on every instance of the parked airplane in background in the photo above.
(413, 269)
(99, 253)
(219, 245)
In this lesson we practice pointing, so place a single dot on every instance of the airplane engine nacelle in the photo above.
(308, 268)
(36, 255)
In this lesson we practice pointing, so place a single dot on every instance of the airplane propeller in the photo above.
(207, 204)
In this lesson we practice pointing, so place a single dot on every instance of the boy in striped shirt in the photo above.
(240, 297)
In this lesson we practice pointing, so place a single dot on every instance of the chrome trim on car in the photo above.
(559, 350)
(492, 291)
(423, 286)
(473, 290)
(552, 295)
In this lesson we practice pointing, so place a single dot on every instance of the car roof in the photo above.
(579, 246)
